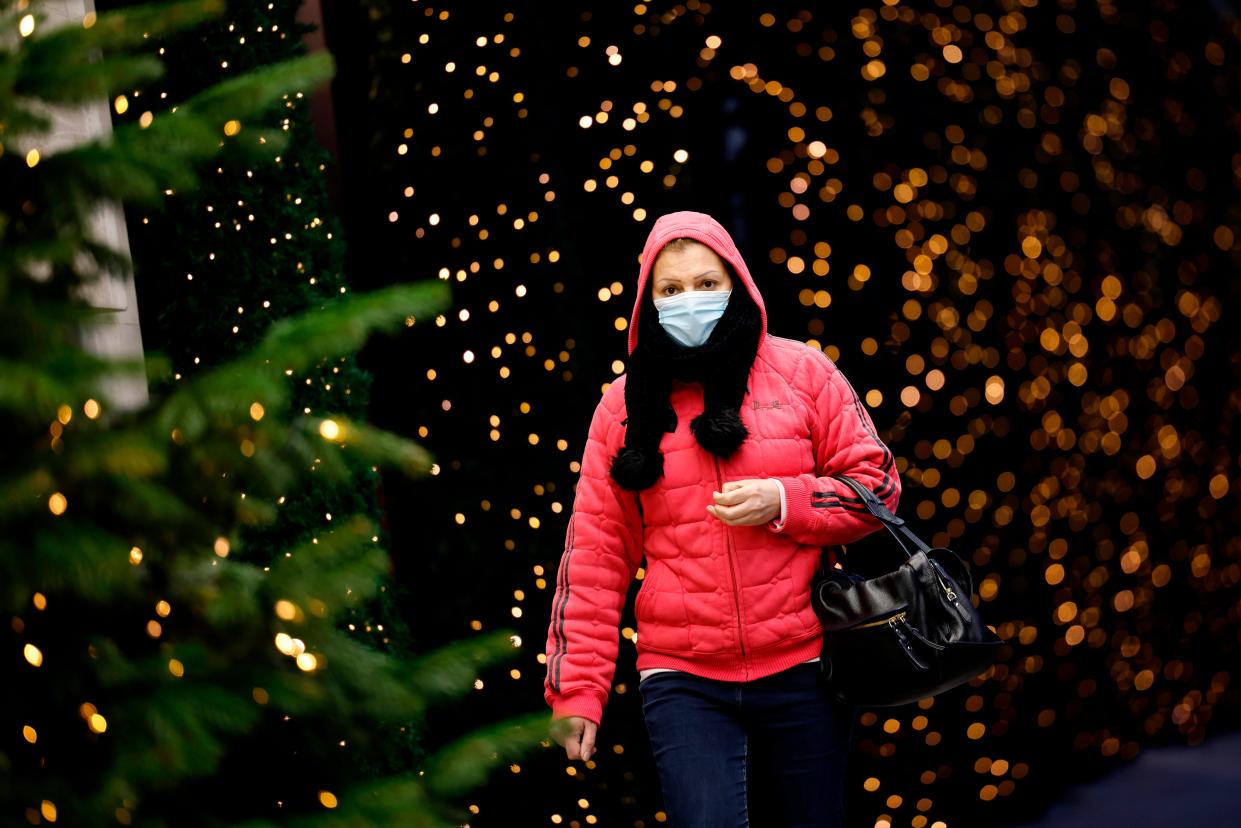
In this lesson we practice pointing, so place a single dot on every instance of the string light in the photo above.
(1025, 308)
(1033, 328)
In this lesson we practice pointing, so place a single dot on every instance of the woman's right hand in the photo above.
(577, 734)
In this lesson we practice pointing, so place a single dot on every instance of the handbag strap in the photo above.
(895, 525)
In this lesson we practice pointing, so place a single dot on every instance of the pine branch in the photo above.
(70, 558)
(344, 325)
(449, 672)
(236, 97)
(373, 445)
(127, 531)
(122, 29)
(466, 763)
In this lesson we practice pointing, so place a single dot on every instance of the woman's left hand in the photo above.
(747, 502)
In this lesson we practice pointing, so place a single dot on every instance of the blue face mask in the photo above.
(690, 316)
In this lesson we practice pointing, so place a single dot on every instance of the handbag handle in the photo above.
(895, 525)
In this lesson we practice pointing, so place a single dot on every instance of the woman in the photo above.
(713, 455)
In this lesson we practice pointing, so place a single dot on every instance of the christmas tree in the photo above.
(166, 672)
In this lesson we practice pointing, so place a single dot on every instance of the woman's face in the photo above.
(693, 267)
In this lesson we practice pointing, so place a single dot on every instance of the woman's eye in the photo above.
(708, 282)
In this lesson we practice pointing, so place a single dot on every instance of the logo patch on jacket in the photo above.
(773, 404)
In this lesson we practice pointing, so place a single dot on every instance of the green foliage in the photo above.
(157, 657)
(62, 66)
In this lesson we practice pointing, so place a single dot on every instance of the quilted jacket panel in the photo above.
(726, 602)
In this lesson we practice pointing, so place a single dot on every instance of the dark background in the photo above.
(1067, 228)
(1052, 711)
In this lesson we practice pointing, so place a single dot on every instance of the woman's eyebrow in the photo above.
(666, 280)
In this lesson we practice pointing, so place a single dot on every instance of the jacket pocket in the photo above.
(645, 591)
(657, 610)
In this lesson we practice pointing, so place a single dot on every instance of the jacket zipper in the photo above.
(732, 564)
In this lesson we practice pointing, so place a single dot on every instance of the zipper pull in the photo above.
(939, 576)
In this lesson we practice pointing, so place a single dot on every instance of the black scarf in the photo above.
(721, 365)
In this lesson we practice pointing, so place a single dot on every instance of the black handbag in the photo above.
(905, 634)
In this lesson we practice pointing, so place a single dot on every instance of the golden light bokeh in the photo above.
(1003, 223)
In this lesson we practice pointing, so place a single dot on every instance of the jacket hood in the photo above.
(710, 232)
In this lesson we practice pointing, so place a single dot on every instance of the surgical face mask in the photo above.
(690, 316)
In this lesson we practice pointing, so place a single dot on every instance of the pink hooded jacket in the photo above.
(724, 602)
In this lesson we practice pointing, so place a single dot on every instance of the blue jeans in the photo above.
(766, 753)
